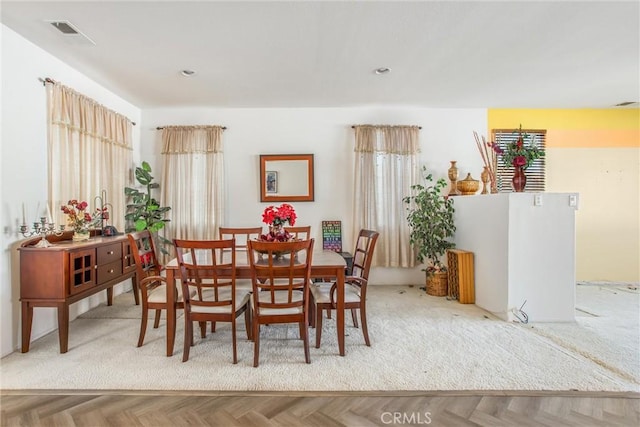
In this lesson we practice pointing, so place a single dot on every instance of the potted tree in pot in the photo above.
(431, 220)
(144, 212)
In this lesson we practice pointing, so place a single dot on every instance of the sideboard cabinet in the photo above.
(67, 272)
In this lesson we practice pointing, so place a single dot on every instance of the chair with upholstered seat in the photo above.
(150, 279)
(299, 232)
(323, 295)
(280, 275)
(210, 265)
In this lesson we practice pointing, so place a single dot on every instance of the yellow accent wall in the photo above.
(597, 154)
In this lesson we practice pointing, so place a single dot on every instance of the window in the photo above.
(89, 153)
(386, 165)
(535, 172)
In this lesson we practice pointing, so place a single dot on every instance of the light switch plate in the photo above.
(573, 200)
(537, 200)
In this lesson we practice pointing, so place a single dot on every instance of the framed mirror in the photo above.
(286, 177)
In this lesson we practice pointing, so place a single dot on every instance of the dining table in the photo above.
(324, 264)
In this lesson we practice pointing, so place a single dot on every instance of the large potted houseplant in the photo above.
(144, 212)
(430, 218)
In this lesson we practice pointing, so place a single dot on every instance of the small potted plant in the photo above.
(431, 220)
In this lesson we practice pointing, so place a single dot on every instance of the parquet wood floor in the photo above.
(323, 409)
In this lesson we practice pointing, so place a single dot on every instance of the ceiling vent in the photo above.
(626, 104)
(65, 27)
(68, 29)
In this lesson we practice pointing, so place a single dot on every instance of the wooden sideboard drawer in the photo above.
(109, 271)
(109, 253)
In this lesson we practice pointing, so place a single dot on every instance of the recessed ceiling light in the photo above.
(187, 73)
(382, 70)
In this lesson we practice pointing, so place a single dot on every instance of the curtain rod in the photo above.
(46, 80)
(162, 127)
(354, 126)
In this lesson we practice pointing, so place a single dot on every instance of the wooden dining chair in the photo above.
(210, 265)
(150, 280)
(280, 275)
(241, 235)
(323, 294)
(299, 232)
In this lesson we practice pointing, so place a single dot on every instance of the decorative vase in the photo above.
(453, 177)
(493, 183)
(468, 186)
(276, 230)
(80, 235)
(519, 180)
(485, 178)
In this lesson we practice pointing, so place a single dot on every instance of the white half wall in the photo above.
(24, 167)
(524, 251)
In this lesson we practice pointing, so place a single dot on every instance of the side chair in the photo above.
(280, 275)
(323, 294)
(150, 280)
(210, 266)
(300, 232)
(240, 234)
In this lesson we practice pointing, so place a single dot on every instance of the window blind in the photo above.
(535, 172)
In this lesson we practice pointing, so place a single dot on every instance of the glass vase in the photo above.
(81, 235)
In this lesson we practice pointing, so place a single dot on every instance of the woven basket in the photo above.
(437, 284)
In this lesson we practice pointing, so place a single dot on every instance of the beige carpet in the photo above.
(419, 342)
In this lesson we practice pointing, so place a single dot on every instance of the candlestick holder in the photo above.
(102, 209)
(43, 228)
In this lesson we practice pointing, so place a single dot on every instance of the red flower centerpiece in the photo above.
(276, 218)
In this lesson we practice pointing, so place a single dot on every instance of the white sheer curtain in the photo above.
(89, 150)
(386, 165)
(193, 181)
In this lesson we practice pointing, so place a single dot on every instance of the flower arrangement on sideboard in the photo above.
(79, 219)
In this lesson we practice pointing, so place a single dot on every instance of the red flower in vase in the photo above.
(519, 153)
(519, 161)
(276, 217)
(279, 216)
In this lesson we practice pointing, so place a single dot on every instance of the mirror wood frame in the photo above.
(266, 197)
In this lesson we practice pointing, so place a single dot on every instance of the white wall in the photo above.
(23, 167)
(447, 134)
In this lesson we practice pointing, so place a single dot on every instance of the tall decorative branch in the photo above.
(489, 158)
